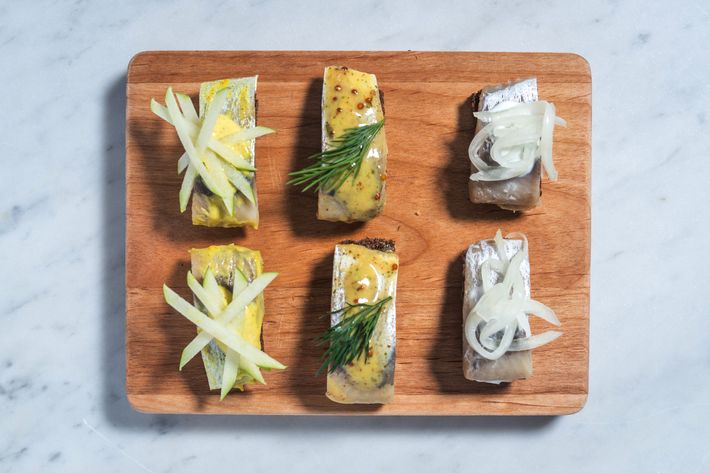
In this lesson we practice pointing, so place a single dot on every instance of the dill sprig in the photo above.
(350, 337)
(332, 167)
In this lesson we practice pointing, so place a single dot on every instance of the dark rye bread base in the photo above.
(378, 244)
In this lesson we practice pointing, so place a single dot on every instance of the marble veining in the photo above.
(62, 392)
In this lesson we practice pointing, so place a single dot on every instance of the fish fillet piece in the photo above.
(519, 193)
(350, 99)
(223, 260)
(239, 113)
(365, 271)
(512, 365)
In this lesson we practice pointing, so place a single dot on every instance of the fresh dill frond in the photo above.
(350, 338)
(332, 167)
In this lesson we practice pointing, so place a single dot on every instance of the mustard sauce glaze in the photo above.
(350, 99)
(362, 275)
(239, 113)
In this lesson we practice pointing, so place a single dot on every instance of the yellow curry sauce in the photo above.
(350, 99)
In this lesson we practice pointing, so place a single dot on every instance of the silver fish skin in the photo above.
(519, 193)
(512, 365)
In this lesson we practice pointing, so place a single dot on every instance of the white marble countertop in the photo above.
(62, 388)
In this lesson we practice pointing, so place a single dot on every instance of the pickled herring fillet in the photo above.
(238, 114)
(366, 272)
(224, 261)
(518, 193)
(512, 365)
(351, 99)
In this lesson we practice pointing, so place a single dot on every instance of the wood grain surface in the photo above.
(429, 127)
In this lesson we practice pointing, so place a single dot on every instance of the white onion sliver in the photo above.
(470, 328)
(512, 129)
(491, 328)
(478, 140)
(541, 310)
(472, 323)
(506, 340)
(504, 307)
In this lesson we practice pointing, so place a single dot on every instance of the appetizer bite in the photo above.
(219, 161)
(228, 313)
(497, 341)
(350, 171)
(360, 357)
(512, 145)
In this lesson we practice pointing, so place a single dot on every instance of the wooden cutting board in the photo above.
(429, 127)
